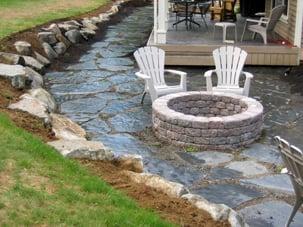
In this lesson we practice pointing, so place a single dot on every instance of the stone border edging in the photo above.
(21, 70)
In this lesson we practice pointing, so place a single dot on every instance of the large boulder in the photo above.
(31, 105)
(44, 97)
(49, 51)
(47, 37)
(60, 48)
(67, 27)
(66, 129)
(23, 48)
(172, 189)
(89, 24)
(130, 162)
(74, 36)
(16, 74)
(61, 38)
(33, 63)
(36, 78)
(11, 59)
(54, 28)
(219, 212)
(43, 60)
(82, 149)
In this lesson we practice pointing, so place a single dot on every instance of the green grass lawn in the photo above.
(17, 15)
(40, 187)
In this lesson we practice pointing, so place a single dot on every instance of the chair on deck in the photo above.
(151, 63)
(229, 62)
(293, 159)
(202, 8)
(265, 25)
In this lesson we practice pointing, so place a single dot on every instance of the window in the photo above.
(281, 2)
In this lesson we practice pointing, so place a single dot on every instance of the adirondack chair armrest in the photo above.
(207, 75)
(142, 76)
(248, 76)
(183, 76)
(261, 21)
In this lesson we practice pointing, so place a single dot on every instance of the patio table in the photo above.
(187, 18)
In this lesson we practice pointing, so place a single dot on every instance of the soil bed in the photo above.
(175, 210)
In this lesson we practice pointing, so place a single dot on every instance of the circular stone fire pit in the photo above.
(210, 121)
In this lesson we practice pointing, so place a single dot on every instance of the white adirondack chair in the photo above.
(293, 160)
(151, 63)
(229, 62)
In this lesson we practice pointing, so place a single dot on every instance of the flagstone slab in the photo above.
(82, 88)
(103, 62)
(221, 173)
(231, 195)
(124, 143)
(247, 168)
(96, 127)
(278, 182)
(179, 174)
(271, 214)
(133, 88)
(263, 153)
(86, 105)
(213, 157)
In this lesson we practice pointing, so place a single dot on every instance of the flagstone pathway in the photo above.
(101, 93)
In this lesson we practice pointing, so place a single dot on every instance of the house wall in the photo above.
(286, 28)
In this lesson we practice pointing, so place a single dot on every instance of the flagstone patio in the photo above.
(101, 93)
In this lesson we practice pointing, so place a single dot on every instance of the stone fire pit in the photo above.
(210, 121)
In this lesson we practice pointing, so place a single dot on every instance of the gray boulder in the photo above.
(16, 74)
(11, 59)
(86, 32)
(43, 60)
(49, 51)
(64, 40)
(36, 78)
(60, 48)
(31, 105)
(130, 162)
(66, 129)
(89, 24)
(23, 48)
(43, 96)
(172, 189)
(53, 28)
(34, 64)
(82, 149)
(74, 36)
(47, 37)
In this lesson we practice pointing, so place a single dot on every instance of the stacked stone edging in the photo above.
(202, 119)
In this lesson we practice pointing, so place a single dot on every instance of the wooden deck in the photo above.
(195, 46)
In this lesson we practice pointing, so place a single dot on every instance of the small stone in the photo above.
(55, 29)
(66, 129)
(60, 48)
(74, 36)
(23, 48)
(47, 37)
(82, 149)
(49, 51)
(247, 168)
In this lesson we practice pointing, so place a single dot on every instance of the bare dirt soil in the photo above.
(175, 210)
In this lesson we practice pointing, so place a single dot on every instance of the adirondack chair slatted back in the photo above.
(229, 62)
(274, 17)
(293, 159)
(151, 63)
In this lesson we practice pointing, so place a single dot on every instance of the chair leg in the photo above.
(143, 96)
(203, 18)
(242, 37)
(299, 202)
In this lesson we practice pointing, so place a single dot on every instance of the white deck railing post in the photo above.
(162, 27)
(155, 21)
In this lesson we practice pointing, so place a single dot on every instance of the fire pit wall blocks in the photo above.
(209, 121)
